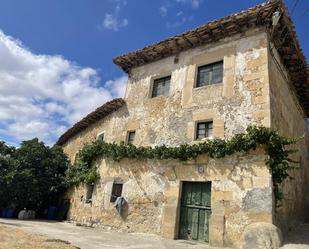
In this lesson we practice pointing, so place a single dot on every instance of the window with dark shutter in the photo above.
(116, 191)
(131, 136)
(161, 86)
(204, 130)
(210, 74)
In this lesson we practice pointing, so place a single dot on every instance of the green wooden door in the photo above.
(195, 211)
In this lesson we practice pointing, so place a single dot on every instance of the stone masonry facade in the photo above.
(253, 91)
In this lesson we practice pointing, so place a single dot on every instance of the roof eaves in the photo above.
(101, 112)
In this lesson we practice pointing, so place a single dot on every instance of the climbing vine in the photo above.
(278, 156)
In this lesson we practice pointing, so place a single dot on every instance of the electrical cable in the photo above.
(294, 6)
(305, 12)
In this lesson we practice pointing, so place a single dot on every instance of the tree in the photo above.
(33, 175)
(6, 164)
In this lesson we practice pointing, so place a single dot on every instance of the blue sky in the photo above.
(75, 41)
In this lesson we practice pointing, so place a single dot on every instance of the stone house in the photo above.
(213, 81)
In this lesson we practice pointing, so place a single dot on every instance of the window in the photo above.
(161, 86)
(210, 74)
(89, 192)
(204, 130)
(130, 137)
(100, 136)
(116, 191)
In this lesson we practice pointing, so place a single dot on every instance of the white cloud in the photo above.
(113, 21)
(41, 95)
(163, 10)
(179, 22)
(182, 15)
(179, 13)
(194, 3)
(117, 86)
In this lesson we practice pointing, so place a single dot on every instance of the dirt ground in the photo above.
(16, 238)
(90, 238)
(36, 234)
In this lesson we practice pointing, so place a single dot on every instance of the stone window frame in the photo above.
(205, 115)
(113, 198)
(196, 122)
(128, 136)
(205, 56)
(157, 77)
(196, 129)
(206, 63)
(209, 65)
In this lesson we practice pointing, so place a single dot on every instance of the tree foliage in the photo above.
(7, 163)
(278, 156)
(32, 175)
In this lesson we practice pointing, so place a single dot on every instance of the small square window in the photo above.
(116, 191)
(204, 130)
(161, 86)
(100, 136)
(210, 74)
(130, 137)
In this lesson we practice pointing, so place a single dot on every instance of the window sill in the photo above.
(159, 97)
(207, 86)
(88, 204)
(204, 139)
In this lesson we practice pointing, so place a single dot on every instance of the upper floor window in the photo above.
(210, 74)
(100, 136)
(204, 130)
(161, 86)
(130, 137)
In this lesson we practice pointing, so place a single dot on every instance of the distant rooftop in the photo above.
(101, 112)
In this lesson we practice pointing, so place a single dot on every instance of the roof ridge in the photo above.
(269, 3)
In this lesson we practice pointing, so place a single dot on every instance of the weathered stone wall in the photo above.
(241, 184)
(240, 100)
(288, 118)
(241, 194)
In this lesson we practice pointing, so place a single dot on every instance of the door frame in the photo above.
(177, 230)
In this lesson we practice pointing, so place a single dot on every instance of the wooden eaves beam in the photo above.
(187, 40)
